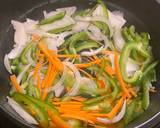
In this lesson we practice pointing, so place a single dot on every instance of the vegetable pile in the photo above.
(80, 69)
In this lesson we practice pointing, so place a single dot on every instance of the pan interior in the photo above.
(36, 13)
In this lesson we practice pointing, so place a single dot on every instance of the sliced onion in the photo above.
(69, 10)
(99, 11)
(41, 33)
(21, 112)
(95, 33)
(116, 118)
(67, 20)
(131, 67)
(30, 60)
(61, 37)
(51, 43)
(74, 90)
(58, 91)
(15, 52)
(106, 42)
(79, 26)
(20, 36)
(92, 53)
(116, 20)
(90, 18)
(20, 76)
(118, 39)
(7, 64)
(88, 82)
(30, 24)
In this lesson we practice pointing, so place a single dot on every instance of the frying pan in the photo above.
(144, 14)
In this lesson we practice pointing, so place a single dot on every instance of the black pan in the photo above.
(144, 14)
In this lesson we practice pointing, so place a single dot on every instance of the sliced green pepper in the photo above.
(24, 52)
(102, 26)
(145, 98)
(87, 44)
(74, 39)
(52, 18)
(124, 59)
(15, 61)
(32, 108)
(59, 30)
(33, 91)
(44, 104)
(134, 110)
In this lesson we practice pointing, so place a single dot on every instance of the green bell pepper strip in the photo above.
(86, 45)
(126, 35)
(24, 78)
(15, 61)
(32, 108)
(52, 19)
(82, 13)
(102, 26)
(33, 52)
(33, 91)
(16, 69)
(50, 96)
(145, 38)
(104, 7)
(74, 39)
(96, 100)
(124, 59)
(133, 111)
(59, 30)
(43, 104)
(146, 71)
(145, 97)
(135, 36)
(113, 94)
(24, 52)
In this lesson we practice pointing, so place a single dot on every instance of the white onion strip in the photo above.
(76, 85)
(92, 53)
(20, 111)
(19, 77)
(7, 64)
(116, 118)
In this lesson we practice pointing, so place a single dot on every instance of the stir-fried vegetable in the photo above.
(80, 69)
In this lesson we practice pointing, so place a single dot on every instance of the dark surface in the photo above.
(144, 14)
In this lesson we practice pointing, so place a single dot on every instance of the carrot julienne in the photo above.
(119, 76)
(15, 83)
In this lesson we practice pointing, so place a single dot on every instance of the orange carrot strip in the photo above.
(101, 83)
(108, 68)
(78, 117)
(47, 75)
(78, 98)
(60, 123)
(15, 83)
(68, 56)
(86, 65)
(50, 56)
(117, 107)
(49, 82)
(119, 76)
(69, 102)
